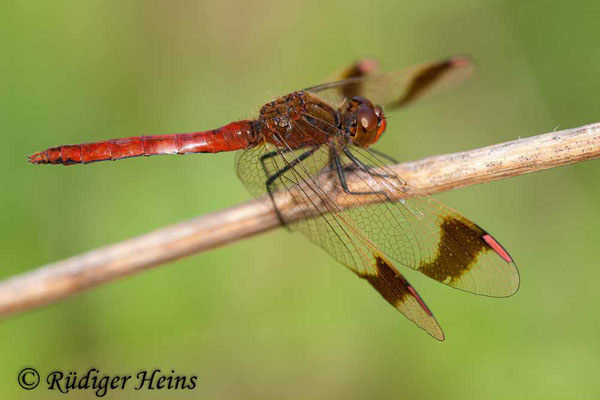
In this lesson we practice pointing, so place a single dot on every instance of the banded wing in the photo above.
(395, 89)
(418, 232)
(359, 69)
(425, 234)
(452, 249)
(362, 230)
(305, 195)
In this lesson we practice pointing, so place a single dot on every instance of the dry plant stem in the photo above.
(62, 279)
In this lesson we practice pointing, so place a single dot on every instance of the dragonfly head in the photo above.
(364, 121)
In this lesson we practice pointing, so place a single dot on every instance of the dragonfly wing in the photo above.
(396, 89)
(324, 223)
(359, 69)
(428, 236)
(394, 287)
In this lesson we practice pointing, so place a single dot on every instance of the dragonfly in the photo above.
(310, 154)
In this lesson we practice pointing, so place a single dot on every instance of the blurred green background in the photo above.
(274, 316)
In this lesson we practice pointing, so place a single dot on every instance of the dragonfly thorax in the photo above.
(298, 120)
(301, 119)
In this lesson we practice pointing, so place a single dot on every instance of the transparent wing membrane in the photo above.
(345, 199)
(396, 89)
(324, 223)
(443, 244)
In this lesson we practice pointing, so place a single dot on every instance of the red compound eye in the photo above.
(366, 118)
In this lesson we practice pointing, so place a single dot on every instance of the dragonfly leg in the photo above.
(381, 154)
(365, 168)
(271, 179)
(271, 154)
(341, 171)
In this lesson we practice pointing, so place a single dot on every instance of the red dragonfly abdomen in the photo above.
(234, 136)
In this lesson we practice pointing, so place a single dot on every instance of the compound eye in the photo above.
(381, 122)
(366, 118)
(362, 101)
(378, 111)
